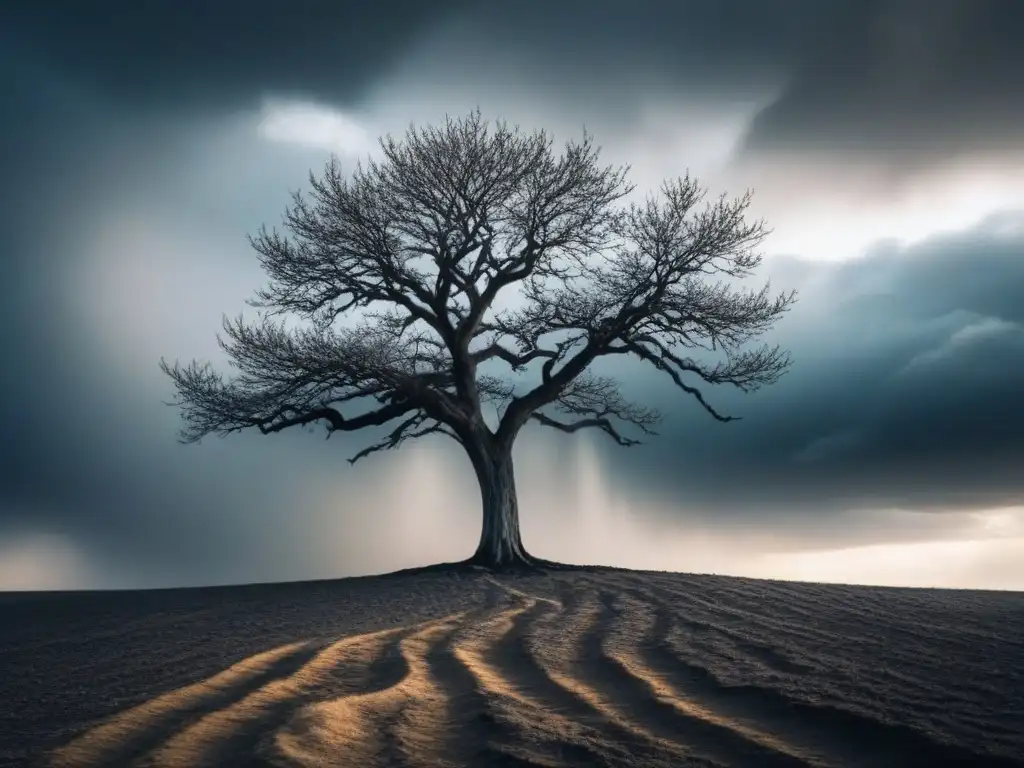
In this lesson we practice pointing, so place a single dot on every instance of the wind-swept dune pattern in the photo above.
(593, 667)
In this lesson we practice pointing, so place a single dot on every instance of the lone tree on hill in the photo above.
(416, 248)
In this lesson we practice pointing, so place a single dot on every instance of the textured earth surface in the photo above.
(582, 667)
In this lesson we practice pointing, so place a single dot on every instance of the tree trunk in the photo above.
(501, 545)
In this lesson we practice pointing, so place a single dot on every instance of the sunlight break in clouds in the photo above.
(299, 122)
(976, 564)
(42, 561)
(834, 210)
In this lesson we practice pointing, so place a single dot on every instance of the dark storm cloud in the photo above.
(219, 55)
(905, 390)
(903, 81)
(85, 451)
(906, 393)
(908, 80)
(160, 52)
(654, 43)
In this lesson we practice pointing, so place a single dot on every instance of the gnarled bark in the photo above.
(501, 544)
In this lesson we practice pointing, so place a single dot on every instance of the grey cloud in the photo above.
(905, 392)
(222, 55)
(905, 80)
(831, 446)
(892, 82)
(899, 79)
(144, 53)
(87, 452)
(702, 45)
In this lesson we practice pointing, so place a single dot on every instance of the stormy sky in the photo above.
(884, 141)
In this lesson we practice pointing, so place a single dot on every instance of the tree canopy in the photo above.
(415, 247)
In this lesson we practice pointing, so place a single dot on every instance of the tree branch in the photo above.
(600, 423)
(598, 400)
(293, 378)
(405, 431)
(517, 361)
(662, 365)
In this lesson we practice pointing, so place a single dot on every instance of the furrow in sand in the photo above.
(128, 735)
(664, 671)
(359, 728)
(502, 665)
(490, 720)
(636, 693)
(543, 657)
(847, 609)
(426, 718)
(473, 730)
(830, 646)
(752, 593)
(778, 608)
(822, 734)
(705, 613)
(569, 657)
(232, 735)
(738, 639)
(539, 721)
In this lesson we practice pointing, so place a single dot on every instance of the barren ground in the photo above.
(584, 667)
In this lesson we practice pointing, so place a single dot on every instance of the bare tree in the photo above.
(415, 248)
